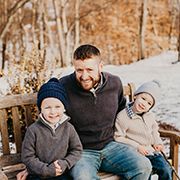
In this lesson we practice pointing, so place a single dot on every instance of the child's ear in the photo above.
(135, 97)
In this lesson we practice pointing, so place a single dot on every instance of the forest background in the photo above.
(41, 35)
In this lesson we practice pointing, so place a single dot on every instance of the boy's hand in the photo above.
(159, 147)
(143, 150)
(58, 168)
(22, 175)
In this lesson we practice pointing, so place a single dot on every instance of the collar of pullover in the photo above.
(129, 110)
(63, 119)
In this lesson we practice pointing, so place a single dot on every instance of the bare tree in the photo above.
(178, 1)
(142, 30)
(60, 33)
(48, 28)
(11, 14)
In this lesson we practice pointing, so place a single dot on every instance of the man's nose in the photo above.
(84, 75)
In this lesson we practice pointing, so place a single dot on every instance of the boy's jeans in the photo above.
(160, 165)
(117, 158)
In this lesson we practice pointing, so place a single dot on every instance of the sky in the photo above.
(158, 67)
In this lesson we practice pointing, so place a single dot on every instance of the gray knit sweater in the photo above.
(42, 146)
(93, 114)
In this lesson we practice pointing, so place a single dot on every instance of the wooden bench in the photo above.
(19, 107)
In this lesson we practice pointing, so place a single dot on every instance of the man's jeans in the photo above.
(161, 167)
(116, 158)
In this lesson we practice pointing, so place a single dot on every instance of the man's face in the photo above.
(88, 72)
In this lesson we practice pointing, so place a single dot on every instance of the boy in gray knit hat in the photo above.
(136, 126)
(51, 145)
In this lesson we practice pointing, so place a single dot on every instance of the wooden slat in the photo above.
(18, 100)
(11, 174)
(174, 151)
(174, 147)
(132, 91)
(12, 171)
(11, 159)
(4, 132)
(126, 91)
(108, 176)
(28, 115)
(170, 134)
(17, 129)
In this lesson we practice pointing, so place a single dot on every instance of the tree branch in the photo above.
(11, 13)
(107, 4)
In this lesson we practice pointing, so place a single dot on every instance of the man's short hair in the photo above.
(85, 52)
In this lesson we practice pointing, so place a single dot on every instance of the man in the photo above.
(94, 99)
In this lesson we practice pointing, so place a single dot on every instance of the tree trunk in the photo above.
(142, 30)
(153, 23)
(60, 34)
(174, 14)
(3, 52)
(179, 32)
(64, 21)
(76, 25)
(48, 28)
(41, 26)
(21, 29)
(34, 20)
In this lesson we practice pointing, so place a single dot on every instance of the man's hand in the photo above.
(22, 175)
(143, 150)
(58, 168)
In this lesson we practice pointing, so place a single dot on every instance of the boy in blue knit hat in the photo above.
(136, 126)
(51, 145)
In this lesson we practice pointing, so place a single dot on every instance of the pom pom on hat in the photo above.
(53, 88)
(152, 88)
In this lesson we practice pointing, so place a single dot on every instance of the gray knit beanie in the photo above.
(53, 88)
(152, 88)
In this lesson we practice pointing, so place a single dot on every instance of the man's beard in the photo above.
(89, 86)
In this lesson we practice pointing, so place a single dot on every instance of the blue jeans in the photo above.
(161, 167)
(64, 176)
(116, 158)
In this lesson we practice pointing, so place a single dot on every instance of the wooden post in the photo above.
(174, 150)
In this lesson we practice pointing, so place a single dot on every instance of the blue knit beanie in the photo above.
(53, 88)
(152, 88)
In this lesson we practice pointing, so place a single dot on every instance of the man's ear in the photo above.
(101, 66)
